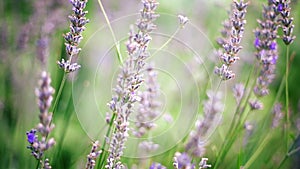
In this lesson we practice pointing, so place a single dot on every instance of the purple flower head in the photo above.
(157, 166)
(183, 161)
(257, 42)
(273, 46)
(274, 60)
(31, 137)
(280, 7)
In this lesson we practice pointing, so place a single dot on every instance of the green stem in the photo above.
(38, 164)
(103, 154)
(287, 98)
(167, 42)
(278, 95)
(291, 152)
(257, 152)
(117, 43)
(57, 98)
(234, 123)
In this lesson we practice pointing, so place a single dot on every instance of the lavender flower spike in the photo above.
(203, 163)
(232, 36)
(129, 80)
(283, 7)
(91, 158)
(183, 161)
(212, 107)
(157, 166)
(36, 145)
(148, 106)
(266, 46)
(277, 115)
(73, 38)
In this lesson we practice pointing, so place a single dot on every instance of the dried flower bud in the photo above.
(183, 20)
(256, 105)
(203, 163)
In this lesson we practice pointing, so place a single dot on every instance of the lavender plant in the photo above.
(256, 118)
(149, 103)
(73, 38)
(91, 157)
(232, 33)
(197, 139)
(129, 80)
(37, 145)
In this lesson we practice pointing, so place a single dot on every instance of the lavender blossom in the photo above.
(255, 105)
(283, 7)
(277, 115)
(91, 157)
(203, 163)
(232, 36)
(212, 107)
(182, 161)
(248, 127)
(266, 46)
(157, 166)
(129, 80)
(46, 164)
(147, 111)
(238, 92)
(73, 38)
(44, 94)
(183, 20)
(147, 147)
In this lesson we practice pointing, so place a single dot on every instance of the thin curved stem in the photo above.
(258, 151)
(57, 98)
(117, 43)
(38, 164)
(103, 154)
(287, 98)
(167, 42)
(234, 123)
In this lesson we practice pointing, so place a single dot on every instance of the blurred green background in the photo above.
(185, 68)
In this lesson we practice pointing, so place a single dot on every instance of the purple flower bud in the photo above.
(274, 60)
(157, 166)
(280, 7)
(257, 42)
(273, 46)
(31, 136)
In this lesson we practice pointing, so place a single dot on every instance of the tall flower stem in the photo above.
(57, 98)
(103, 155)
(258, 151)
(38, 164)
(234, 123)
(290, 152)
(287, 98)
(117, 43)
(167, 42)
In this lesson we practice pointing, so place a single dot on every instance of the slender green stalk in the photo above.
(167, 42)
(38, 164)
(68, 118)
(291, 152)
(287, 99)
(103, 154)
(278, 94)
(57, 98)
(117, 43)
(258, 151)
(234, 123)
